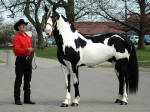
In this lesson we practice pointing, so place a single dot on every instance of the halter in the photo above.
(53, 26)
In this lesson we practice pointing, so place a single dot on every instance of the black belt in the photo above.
(24, 57)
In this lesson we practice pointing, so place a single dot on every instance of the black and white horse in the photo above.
(75, 50)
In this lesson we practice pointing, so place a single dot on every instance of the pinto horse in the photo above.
(75, 50)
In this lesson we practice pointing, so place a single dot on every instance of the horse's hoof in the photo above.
(118, 101)
(123, 103)
(74, 104)
(64, 105)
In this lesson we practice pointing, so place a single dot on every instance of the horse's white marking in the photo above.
(125, 97)
(75, 80)
(106, 41)
(68, 95)
(76, 100)
(119, 55)
(48, 28)
(67, 34)
(95, 53)
(66, 72)
(67, 99)
(117, 36)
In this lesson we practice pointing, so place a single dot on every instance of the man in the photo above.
(22, 45)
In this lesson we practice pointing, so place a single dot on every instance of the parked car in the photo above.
(134, 39)
(147, 39)
(50, 41)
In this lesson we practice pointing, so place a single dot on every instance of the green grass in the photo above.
(144, 57)
(50, 52)
(6, 49)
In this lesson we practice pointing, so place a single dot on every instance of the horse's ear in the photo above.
(46, 9)
(54, 8)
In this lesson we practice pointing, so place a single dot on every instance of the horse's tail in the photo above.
(133, 70)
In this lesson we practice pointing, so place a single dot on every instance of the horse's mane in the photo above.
(72, 25)
(102, 37)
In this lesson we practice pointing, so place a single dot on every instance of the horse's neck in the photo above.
(67, 34)
(64, 28)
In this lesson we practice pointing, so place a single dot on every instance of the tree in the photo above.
(74, 9)
(39, 26)
(6, 34)
(140, 19)
(25, 7)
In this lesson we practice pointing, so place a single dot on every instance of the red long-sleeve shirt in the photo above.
(21, 44)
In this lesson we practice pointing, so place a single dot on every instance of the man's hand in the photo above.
(31, 49)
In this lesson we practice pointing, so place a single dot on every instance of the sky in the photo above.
(4, 13)
(20, 15)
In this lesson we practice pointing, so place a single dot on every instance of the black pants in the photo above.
(23, 68)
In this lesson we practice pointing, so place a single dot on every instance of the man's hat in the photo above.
(21, 21)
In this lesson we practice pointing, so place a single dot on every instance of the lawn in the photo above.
(144, 57)
(45, 53)
(50, 52)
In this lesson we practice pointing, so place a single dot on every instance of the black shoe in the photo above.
(18, 102)
(29, 102)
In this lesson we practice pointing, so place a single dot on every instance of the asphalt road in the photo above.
(98, 89)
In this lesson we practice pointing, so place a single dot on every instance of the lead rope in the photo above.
(34, 65)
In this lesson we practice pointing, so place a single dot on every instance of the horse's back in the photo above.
(101, 48)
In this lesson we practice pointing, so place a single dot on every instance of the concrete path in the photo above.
(98, 89)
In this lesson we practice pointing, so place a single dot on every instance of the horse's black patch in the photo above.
(80, 42)
(69, 82)
(55, 17)
(118, 44)
(100, 38)
(73, 29)
(71, 55)
(58, 38)
(65, 19)
(113, 59)
(59, 42)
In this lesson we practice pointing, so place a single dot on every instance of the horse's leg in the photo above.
(75, 77)
(67, 100)
(118, 100)
(122, 71)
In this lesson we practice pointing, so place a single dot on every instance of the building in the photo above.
(94, 28)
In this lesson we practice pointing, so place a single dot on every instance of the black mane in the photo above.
(72, 25)
(101, 38)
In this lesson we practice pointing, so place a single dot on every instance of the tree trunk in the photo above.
(70, 11)
(40, 38)
(142, 25)
(141, 41)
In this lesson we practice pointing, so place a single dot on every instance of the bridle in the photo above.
(53, 26)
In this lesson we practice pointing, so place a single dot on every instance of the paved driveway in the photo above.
(98, 89)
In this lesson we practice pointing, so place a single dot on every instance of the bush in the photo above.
(4, 39)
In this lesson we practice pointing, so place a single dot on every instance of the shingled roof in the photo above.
(93, 28)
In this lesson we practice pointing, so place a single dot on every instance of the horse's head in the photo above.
(51, 17)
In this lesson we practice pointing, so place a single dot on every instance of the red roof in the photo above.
(92, 28)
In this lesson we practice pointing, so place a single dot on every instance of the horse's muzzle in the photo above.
(48, 32)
